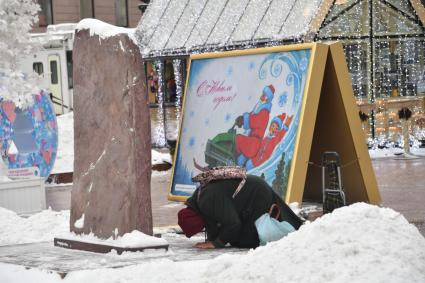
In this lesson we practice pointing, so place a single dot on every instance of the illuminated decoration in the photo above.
(161, 133)
(383, 39)
(384, 45)
(29, 137)
(177, 67)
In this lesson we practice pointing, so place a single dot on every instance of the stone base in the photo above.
(100, 248)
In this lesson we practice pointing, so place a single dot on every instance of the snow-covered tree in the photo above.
(16, 20)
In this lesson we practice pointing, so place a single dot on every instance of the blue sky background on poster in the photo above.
(239, 82)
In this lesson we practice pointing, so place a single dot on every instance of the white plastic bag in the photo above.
(270, 229)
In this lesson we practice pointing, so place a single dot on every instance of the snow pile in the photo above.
(39, 227)
(44, 226)
(359, 243)
(65, 155)
(104, 30)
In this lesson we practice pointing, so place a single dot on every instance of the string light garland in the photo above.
(385, 47)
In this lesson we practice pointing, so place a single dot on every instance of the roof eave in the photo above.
(184, 52)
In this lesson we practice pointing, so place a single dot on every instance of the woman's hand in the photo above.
(205, 245)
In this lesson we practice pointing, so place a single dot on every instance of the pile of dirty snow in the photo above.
(358, 243)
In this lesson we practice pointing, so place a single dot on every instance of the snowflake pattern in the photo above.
(192, 142)
(283, 98)
(229, 71)
(303, 64)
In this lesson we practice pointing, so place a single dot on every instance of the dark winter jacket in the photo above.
(231, 220)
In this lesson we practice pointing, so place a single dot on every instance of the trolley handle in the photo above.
(330, 154)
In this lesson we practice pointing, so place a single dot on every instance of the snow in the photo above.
(39, 227)
(394, 152)
(45, 225)
(250, 23)
(79, 223)
(166, 27)
(182, 31)
(16, 19)
(206, 22)
(134, 239)
(3, 172)
(160, 157)
(104, 30)
(181, 26)
(358, 243)
(150, 18)
(227, 22)
(65, 155)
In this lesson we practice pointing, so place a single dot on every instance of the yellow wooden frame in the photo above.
(336, 127)
(327, 72)
(318, 54)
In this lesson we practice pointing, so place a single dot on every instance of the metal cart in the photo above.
(333, 192)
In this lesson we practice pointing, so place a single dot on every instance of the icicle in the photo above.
(160, 128)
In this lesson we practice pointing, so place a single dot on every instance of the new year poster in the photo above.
(242, 110)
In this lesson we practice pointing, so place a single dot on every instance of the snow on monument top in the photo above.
(104, 30)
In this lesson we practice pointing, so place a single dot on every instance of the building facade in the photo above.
(123, 13)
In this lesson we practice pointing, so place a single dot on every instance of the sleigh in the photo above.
(220, 150)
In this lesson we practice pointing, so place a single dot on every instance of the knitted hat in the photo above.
(190, 222)
(269, 92)
(279, 120)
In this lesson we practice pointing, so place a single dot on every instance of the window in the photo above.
(38, 67)
(54, 72)
(45, 15)
(86, 9)
(69, 67)
(121, 16)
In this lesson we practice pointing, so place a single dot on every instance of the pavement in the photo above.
(402, 187)
(401, 183)
(45, 256)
